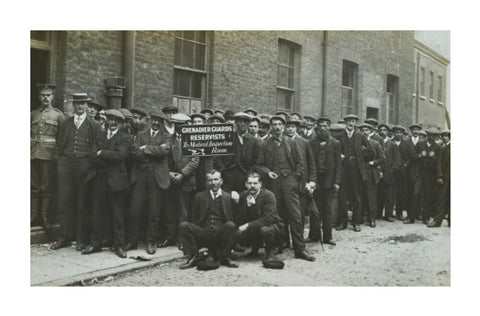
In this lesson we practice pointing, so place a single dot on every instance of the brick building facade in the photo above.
(332, 73)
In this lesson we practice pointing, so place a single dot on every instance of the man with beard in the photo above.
(280, 161)
(356, 150)
(110, 185)
(45, 122)
(74, 147)
(211, 226)
(326, 151)
(150, 179)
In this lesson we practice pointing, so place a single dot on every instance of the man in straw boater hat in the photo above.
(73, 150)
(356, 151)
(45, 122)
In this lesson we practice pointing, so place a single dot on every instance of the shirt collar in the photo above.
(219, 193)
(112, 133)
(80, 117)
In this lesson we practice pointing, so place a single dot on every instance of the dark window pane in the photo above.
(291, 55)
(199, 56)
(188, 35)
(290, 78)
(178, 52)
(282, 76)
(39, 35)
(345, 77)
(283, 54)
(187, 54)
(200, 36)
(184, 84)
(285, 99)
(197, 85)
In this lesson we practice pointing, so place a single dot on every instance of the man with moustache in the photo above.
(280, 161)
(74, 148)
(414, 174)
(150, 180)
(45, 122)
(110, 185)
(356, 150)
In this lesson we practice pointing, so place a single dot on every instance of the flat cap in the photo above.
(256, 118)
(264, 116)
(169, 108)
(432, 131)
(399, 128)
(273, 264)
(277, 117)
(179, 118)
(422, 132)
(364, 124)
(324, 119)
(309, 118)
(415, 126)
(251, 110)
(81, 97)
(138, 111)
(218, 111)
(264, 121)
(200, 115)
(337, 127)
(158, 114)
(114, 113)
(126, 113)
(216, 117)
(297, 114)
(303, 123)
(372, 121)
(292, 120)
(282, 113)
(209, 111)
(350, 117)
(242, 116)
(387, 126)
(445, 132)
(98, 106)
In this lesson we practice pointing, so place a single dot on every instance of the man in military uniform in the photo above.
(45, 121)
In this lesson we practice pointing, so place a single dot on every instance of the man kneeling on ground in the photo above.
(212, 224)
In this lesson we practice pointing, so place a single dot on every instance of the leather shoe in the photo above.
(309, 239)
(131, 246)
(329, 242)
(238, 248)
(58, 244)
(121, 252)
(166, 243)
(341, 227)
(151, 248)
(372, 224)
(90, 250)
(409, 221)
(304, 255)
(228, 263)
(191, 262)
(356, 228)
(252, 254)
(389, 219)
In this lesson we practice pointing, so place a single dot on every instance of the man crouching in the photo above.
(262, 225)
(212, 224)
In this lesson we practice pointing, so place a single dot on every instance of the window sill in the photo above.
(432, 100)
(414, 95)
(440, 103)
(422, 97)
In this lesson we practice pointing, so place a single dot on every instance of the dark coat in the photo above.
(310, 170)
(414, 165)
(65, 128)
(363, 150)
(244, 155)
(201, 203)
(393, 161)
(333, 163)
(262, 213)
(154, 155)
(111, 161)
(378, 161)
(185, 165)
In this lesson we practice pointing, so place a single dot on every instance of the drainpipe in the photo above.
(128, 68)
(417, 88)
(324, 72)
(115, 86)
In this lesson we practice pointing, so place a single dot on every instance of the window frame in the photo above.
(293, 91)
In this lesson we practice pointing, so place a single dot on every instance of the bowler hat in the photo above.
(273, 264)
(242, 115)
(99, 107)
(350, 116)
(80, 97)
(278, 117)
(138, 111)
(114, 113)
(228, 114)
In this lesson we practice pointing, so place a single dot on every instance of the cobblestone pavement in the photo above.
(392, 254)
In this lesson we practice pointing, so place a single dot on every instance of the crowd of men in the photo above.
(117, 178)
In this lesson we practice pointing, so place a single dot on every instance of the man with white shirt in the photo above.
(211, 226)
(309, 130)
(414, 176)
(74, 147)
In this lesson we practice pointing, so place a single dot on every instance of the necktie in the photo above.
(154, 133)
(77, 122)
(109, 135)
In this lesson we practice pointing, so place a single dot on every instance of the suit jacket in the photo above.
(201, 203)
(414, 165)
(294, 157)
(444, 163)
(262, 213)
(333, 163)
(431, 160)
(185, 165)
(363, 150)
(154, 155)
(244, 155)
(111, 161)
(378, 161)
(393, 161)
(62, 138)
(310, 170)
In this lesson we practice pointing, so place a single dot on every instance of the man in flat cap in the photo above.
(74, 148)
(309, 132)
(93, 108)
(207, 112)
(253, 126)
(140, 119)
(356, 151)
(326, 151)
(251, 111)
(216, 119)
(264, 129)
(150, 179)
(45, 122)
(443, 187)
(198, 118)
(280, 162)
(401, 159)
(383, 133)
(374, 174)
(110, 185)
(414, 174)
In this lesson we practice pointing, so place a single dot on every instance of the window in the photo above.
(349, 87)
(190, 70)
(422, 81)
(440, 89)
(392, 98)
(287, 70)
(372, 113)
(42, 62)
(430, 89)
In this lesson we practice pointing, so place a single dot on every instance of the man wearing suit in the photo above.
(74, 147)
(414, 174)
(260, 221)
(211, 225)
(280, 161)
(110, 184)
(150, 180)
(374, 171)
(356, 150)
(384, 197)
(443, 192)
(326, 151)
(182, 178)
(309, 132)
(401, 158)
